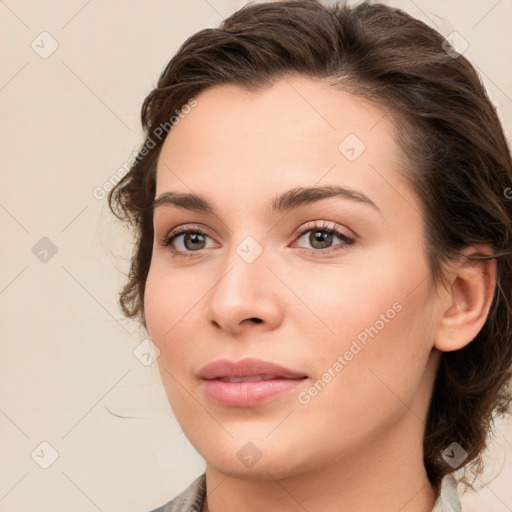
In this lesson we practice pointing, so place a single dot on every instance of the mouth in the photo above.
(254, 378)
(248, 382)
(248, 367)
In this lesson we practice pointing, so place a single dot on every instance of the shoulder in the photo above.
(190, 500)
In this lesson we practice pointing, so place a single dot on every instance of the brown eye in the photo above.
(323, 238)
(184, 242)
(320, 239)
(193, 241)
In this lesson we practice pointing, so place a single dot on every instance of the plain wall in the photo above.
(68, 373)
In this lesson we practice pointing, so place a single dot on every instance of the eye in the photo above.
(185, 240)
(322, 237)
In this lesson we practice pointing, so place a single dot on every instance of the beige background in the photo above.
(68, 373)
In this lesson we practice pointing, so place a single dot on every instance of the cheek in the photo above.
(371, 372)
(353, 300)
(168, 303)
(376, 332)
(168, 307)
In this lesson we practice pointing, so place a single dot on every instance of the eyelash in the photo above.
(326, 228)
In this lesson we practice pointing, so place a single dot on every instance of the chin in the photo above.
(253, 460)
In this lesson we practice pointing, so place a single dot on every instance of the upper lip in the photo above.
(248, 367)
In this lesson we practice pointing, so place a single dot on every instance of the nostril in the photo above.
(256, 320)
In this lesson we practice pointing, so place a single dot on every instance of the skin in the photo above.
(357, 445)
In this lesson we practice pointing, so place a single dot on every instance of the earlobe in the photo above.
(467, 300)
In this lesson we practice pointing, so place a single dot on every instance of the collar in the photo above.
(192, 498)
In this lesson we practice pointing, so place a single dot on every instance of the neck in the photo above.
(387, 475)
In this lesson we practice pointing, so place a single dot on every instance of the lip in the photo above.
(248, 367)
(278, 381)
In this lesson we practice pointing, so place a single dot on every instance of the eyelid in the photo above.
(346, 236)
(187, 227)
(324, 225)
(183, 229)
(315, 224)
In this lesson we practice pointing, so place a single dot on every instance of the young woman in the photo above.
(323, 219)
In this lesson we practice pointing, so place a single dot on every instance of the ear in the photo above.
(465, 303)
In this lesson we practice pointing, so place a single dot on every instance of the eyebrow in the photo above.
(284, 202)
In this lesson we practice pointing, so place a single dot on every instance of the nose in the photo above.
(245, 297)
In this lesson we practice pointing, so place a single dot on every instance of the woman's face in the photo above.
(332, 286)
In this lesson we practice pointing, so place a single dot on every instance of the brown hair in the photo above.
(457, 158)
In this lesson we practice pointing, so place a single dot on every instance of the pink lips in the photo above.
(248, 382)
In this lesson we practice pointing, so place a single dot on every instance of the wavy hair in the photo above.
(456, 158)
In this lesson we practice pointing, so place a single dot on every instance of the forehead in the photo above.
(238, 144)
(293, 109)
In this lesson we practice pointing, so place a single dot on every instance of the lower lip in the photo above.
(248, 394)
